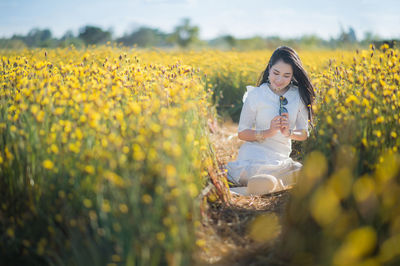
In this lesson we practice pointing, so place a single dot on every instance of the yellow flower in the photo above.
(89, 169)
(378, 133)
(34, 109)
(40, 116)
(54, 148)
(114, 178)
(87, 203)
(379, 120)
(123, 208)
(106, 206)
(352, 99)
(329, 120)
(10, 232)
(364, 142)
(48, 164)
(146, 198)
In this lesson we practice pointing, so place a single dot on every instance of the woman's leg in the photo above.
(291, 177)
(263, 184)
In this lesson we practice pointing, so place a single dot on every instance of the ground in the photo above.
(223, 236)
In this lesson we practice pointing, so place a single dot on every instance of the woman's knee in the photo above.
(262, 184)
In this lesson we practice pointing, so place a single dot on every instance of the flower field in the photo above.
(347, 210)
(105, 152)
(102, 158)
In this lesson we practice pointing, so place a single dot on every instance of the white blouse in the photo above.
(262, 106)
(270, 156)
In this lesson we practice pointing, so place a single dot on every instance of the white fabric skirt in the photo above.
(241, 171)
(254, 160)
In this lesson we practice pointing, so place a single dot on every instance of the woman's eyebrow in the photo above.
(279, 72)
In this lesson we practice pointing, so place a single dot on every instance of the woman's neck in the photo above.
(279, 92)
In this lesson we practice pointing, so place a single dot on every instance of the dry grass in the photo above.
(223, 238)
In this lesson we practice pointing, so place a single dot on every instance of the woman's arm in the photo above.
(301, 122)
(299, 135)
(259, 135)
(254, 135)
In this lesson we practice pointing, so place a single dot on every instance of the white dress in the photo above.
(271, 156)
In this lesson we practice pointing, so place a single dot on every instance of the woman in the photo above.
(275, 112)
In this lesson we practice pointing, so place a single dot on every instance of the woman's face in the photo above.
(280, 75)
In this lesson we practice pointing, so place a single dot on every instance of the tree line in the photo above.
(185, 35)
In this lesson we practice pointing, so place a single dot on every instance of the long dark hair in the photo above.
(300, 76)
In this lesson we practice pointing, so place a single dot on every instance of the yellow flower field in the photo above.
(104, 153)
(348, 205)
(97, 146)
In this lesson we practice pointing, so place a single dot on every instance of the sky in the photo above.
(240, 18)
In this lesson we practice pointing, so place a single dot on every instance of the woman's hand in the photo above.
(284, 124)
(275, 124)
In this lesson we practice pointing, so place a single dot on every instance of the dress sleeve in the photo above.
(302, 117)
(247, 115)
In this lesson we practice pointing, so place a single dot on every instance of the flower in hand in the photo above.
(275, 124)
(284, 124)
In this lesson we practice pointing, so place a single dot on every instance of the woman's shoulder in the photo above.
(294, 91)
(294, 88)
(252, 92)
(294, 96)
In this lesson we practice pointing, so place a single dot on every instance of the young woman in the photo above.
(274, 113)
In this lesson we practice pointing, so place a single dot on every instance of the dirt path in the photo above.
(223, 238)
